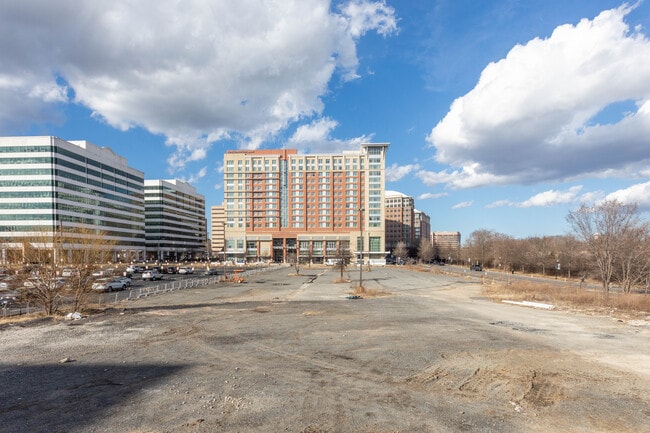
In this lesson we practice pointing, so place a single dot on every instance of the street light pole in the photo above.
(361, 252)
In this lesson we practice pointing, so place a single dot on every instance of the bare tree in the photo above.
(603, 228)
(633, 260)
(39, 273)
(292, 258)
(401, 251)
(542, 252)
(44, 256)
(343, 258)
(479, 246)
(425, 250)
(86, 250)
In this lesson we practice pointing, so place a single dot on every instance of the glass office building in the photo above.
(49, 186)
(175, 222)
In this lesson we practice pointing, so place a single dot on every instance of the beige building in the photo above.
(218, 234)
(421, 226)
(283, 206)
(447, 244)
(400, 217)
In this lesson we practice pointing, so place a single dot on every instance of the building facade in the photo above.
(218, 231)
(400, 217)
(62, 188)
(421, 226)
(175, 223)
(282, 206)
(447, 245)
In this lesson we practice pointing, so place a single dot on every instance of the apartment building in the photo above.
(57, 187)
(175, 223)
(421, 226)
(285, 206)
(400, 218)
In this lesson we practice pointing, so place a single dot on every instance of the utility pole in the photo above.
(361, 222)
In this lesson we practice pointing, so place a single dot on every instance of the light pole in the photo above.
(361, 252)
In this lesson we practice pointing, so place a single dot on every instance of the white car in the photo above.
(186, 270)
(103, 272)
(152, 275)
(125, 280)
(108, 285)
(70, 272)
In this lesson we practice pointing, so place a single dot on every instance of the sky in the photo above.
(501, 115)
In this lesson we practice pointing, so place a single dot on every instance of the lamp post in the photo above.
(361, 252)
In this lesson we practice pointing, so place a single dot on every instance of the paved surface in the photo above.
(420, 353)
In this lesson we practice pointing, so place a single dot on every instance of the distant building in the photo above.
(49, 185)
(176, 227)
(400, 218)
(285, 206)
(218, 224)
(447, 244)
(421, 226)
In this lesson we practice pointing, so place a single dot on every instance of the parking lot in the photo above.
(419, 352)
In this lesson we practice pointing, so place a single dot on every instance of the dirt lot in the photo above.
(283, 353)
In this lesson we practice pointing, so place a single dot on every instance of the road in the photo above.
(419, 353)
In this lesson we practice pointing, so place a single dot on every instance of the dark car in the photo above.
(476, 268)
(171, 269)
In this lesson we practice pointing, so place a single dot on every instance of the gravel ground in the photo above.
(289, 353)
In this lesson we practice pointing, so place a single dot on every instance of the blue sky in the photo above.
(502, 115)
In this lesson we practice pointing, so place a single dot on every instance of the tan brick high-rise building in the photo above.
(421, 226)
(400, 218)
(281, 205)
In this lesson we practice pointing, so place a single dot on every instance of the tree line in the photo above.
(609, 242)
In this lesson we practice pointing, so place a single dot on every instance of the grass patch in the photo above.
(631, 305)
(368, 293)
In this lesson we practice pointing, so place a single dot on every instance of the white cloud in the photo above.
(500, 203)
(466, 178)
(194, 71)
(552, 197)
(316, 138)
(429, 195)
(639, 194)
(544, 111)
(363, 15)
(194, 178)
(396, 172)
(463, 204)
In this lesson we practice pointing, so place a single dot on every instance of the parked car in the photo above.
(125, 280)
(108, 285)
(210, 271)
(478, 268)
(103, 272)
(7, 298)
(133, 269)
(171, 269)
(151, 275)
(69, 272)
(185, 270)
